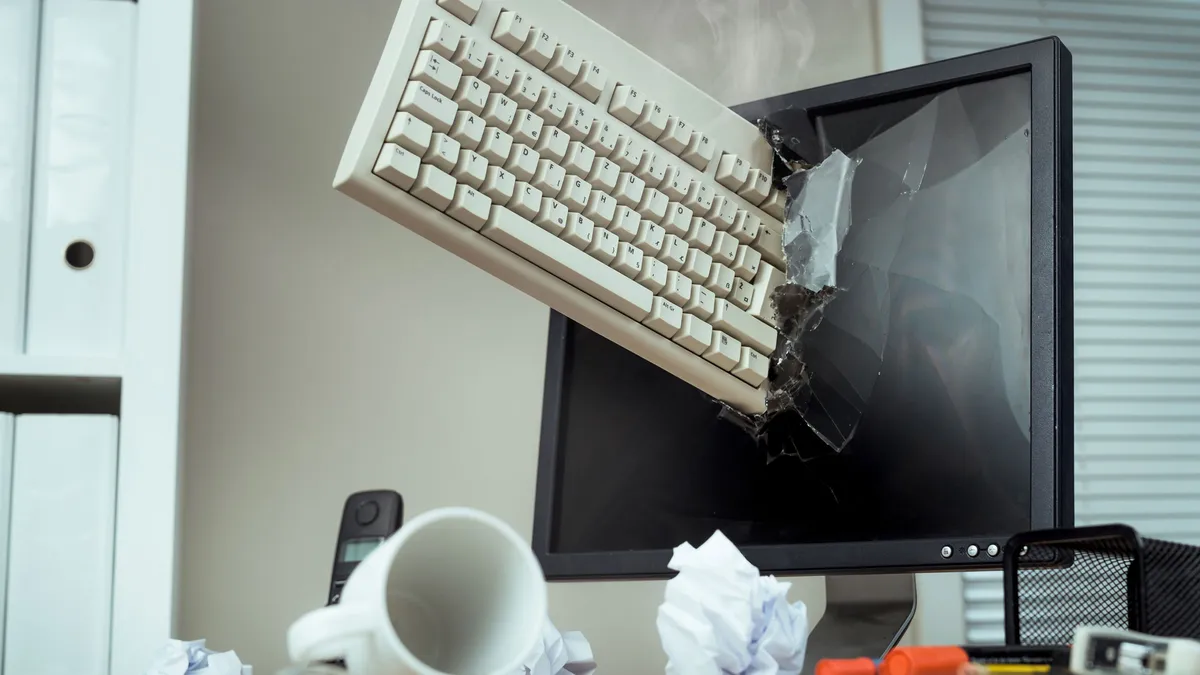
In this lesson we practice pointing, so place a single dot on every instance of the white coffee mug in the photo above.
(454, 592)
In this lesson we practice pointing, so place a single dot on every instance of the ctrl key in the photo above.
(397, 166)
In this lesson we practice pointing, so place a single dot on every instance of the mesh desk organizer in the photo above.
(1109, 575)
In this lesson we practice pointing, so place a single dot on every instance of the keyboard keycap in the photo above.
(678, 220)
(775, 204)
(602, 138)
(397, 166)
(511, 30)
(463, 9)
(698, 265)
(695, 334)
(524, 90)
(551, 107)
(499, 185)
(699, 151)
(470, 56)
(757, 188)
(471, 169)
(743, 326)
(720, 280)
(409, 133)
(443, 152)
(526, 201)
(472, 94)
(437, 71)
(434, 187)
(578, 160)
(498, 72)
(496, 145)
(652, 121)
(441, 37)
(552, 144)
(629, 189)
(742, 293)
(564, 65)
(724, 248)
(746, 227)
(604, 245)
(552, 217)
(626, 223)
(649, 238)
(428, 106)
(469, 207)
(724, 351)
(468, 129)
(522, 162)
(628, 153)
(500, 111)
(549, 177)
(676, 136)
(604, 175)
(751, 367)
(732, 172)
(568, 263)
(601, 208)
(654, 274)
(674, 252)
(678, 289)
(665, 317)
(590, 81)
(652, 169)
(575, 193)
(629, 260)
(770, 242)
(765, 282)
(699, 197)
(577, 122)
(700, 234)
(745, 262)
(702, 302)
(653, 206)
(578, 232)
(723, 212)
(675, 184)
(627, 104)
(539, 48)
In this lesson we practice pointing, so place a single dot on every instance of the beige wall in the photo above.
(331, 350)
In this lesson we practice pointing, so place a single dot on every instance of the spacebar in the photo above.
(568, 263)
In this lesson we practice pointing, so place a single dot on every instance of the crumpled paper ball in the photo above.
(178, 657)
(559, 654)
(720, 617)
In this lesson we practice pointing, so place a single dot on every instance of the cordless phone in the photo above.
(367, 519)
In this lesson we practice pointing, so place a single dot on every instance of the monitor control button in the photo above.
(972, 550)
(366, 513)
(993, 550)
(947, 551)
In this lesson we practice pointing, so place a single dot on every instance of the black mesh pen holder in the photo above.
(1108, 575)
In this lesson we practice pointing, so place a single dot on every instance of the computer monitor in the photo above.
(944, 358)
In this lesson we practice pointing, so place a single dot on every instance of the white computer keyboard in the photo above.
(533, 143)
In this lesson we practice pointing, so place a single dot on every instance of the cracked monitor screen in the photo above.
(916, 422)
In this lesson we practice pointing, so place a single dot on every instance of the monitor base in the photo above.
(864, 616)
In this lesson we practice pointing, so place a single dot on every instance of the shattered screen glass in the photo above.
(909, 417)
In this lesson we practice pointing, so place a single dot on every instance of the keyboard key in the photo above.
(674, 252)
(765, 282)
(775, 204)
(724, 248)
(700, 234)
(495, 146)
(678, 220)
(526, 201)
(551, 107)
(745, 263)
(443, 152)
(695, 334)
(720, 280)
(653, 206)
(522, 162)
(428, 106)
(743, 326)
(723, 212)
(590, 81)
(751, 367)
(564, 65)
(500, 111)
(434, 187)
(527, 128)
(566, 262)
(699, 151)
(757, 188)
(652, 121)
(468, 130)
(699, 197)
(472, 94)
(552, 144)
(470, 56)
(539, 48)
(575, 193)
(577, 122)
(469, 207)
(602, 138)
(652, 169)
(604, 245)
(650, 238)
(524, 90)
(746, 227)
(499, 185)
(732, 172)
(625, 223)
(601, 208)
(698, 265)
(770, 242)
(578, 160)
(724, 351)
(676, 136)
(409, 133)
(678, 289)
(628, 153)
(675, 184)
(397, 166)
(436, 71)
(742, 293)
(511, 30)
(629, 189)
(665, 317)
(441, 37)
(471, 169)
(578, 232)
(463, 9)
(654, 274)
(549, 177)
(702, 302)
(498, 72)
(552, 217)
(604, 175)
(627, 104)
(629, 260)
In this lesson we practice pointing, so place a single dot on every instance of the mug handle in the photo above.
(326, 634)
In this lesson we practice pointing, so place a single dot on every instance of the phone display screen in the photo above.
(354, 550)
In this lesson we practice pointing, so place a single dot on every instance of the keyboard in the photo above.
(533, 143)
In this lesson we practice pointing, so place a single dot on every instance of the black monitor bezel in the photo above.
(1051, 328)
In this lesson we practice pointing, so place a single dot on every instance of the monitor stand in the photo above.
(865, 615)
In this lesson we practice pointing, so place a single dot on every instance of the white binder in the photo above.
(18, 89)
(60, 561)
(81, 178)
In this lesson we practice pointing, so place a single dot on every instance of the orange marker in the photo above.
(923, 661)
(860, 666)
